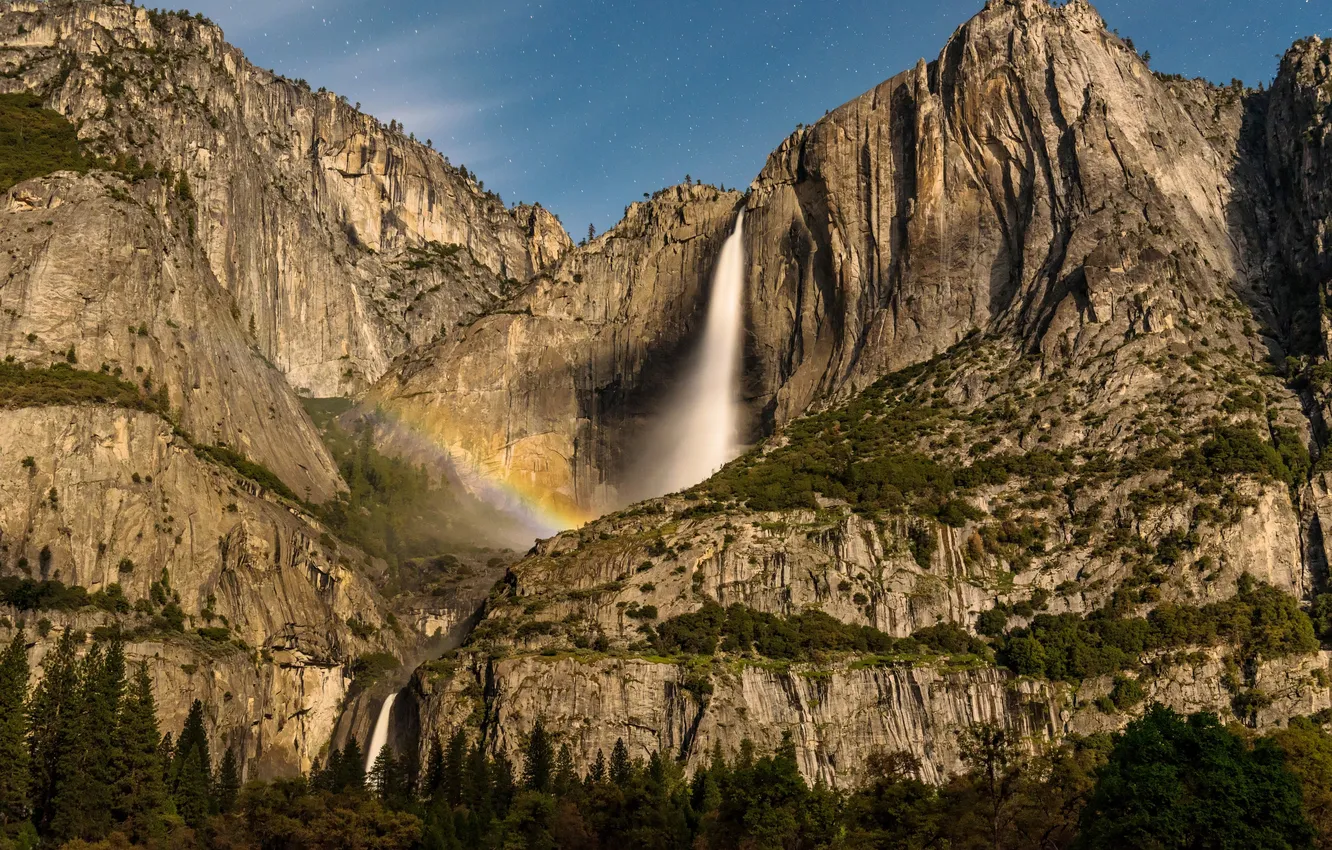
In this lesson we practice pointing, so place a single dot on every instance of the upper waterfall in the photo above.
(700, 430)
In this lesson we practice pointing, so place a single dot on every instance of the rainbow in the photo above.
(439, 442)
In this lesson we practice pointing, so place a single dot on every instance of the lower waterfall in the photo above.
(379, 737)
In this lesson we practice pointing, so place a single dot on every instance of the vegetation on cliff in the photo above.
(35, 141)
(83, 765)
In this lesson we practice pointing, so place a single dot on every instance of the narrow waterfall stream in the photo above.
(379, 737)
(699, 433)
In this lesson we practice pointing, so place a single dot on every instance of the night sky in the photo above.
(585, 105)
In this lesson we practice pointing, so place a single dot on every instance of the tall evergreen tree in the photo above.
(139, 768)
(597, 772)
(621, 767)
(566, 779)
(382, 776)
(539, 766)
(432, 786)
(192, 736)
(50, 716)
(503, 785)
(455, 767)
(193, 800)
(81, 807)
(14, 776)
(477, 787)
(227, 787)
(351, 770)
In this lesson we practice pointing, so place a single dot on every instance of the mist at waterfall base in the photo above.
(697, 430)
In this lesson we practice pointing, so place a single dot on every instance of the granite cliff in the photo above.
(1033, 332)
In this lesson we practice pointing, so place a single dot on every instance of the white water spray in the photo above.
(379, 737)
(700, 431)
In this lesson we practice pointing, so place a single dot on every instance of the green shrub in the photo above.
(256, 472)
(35, 141)
(1262, 621)
(372, 666)
(739, 629)
(62, 384)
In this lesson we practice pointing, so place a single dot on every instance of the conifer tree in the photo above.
(166, 751)
(192, 736)
(621, 768)
(477, 787)
(455, 766)
(503, 785)
(140, 785)
(539, 764)
(193, 800)
(351, 771)
(432, 787)
(566, 780)
(597, 772)
(227, 787)
(49, 718)
(381, 776)
(14, 775)
(81, 807)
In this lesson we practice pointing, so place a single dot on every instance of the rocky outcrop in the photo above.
(305, 207)
(105, 273)
(838, 714)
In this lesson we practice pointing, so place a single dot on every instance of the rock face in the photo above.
(1060, 284)
(545, 396)
(109, 273)
(240, 238)
(837, 715)
(1077, 264)
(113, 497)
(306, 209)
(1027, 182)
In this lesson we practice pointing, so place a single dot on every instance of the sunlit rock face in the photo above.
(547, 396)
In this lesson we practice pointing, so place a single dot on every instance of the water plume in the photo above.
(699, 429)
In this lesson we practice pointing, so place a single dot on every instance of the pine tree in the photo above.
(140, 789)
(192, 797)
(539, 764)
(621, 767)
(503, 785)
(14, 775)
(382, 773)
(166, 751)
(81, 807)
(477, 785)
(192, 736)
(597, 772)
(351, 772)
(227, 787)
(433, 786)
(49, 718)
(566, 780)
(455, 766)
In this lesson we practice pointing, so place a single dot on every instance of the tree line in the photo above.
(82, 756)
(83, 766)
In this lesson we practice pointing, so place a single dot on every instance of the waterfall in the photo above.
(699, 432)
(379, 737)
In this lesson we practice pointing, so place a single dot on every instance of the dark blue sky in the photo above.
(585, 105)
